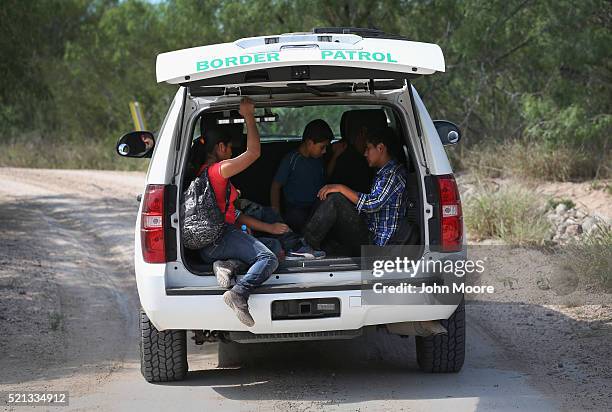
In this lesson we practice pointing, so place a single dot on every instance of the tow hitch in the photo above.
(201, 336)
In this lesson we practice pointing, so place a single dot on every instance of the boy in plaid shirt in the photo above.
(363, 218)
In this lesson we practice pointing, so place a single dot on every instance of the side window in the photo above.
(404, 151)
(194, 158)
(196, 131)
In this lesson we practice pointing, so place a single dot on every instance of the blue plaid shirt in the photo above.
(385, 204)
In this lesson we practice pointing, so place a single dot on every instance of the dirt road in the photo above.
(68, 319)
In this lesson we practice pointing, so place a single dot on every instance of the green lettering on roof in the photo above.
(201, 66)
(364, 56)
(357, 55)
(231, 61)
(246, 59)
(218, 63)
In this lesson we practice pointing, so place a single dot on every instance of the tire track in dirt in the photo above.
(86, 246)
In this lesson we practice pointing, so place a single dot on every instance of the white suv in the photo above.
(336, 74)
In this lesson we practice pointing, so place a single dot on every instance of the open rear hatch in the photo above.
(318, 61)
(325, 60)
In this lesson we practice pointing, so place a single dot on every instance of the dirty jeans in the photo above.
(296, 217)
(337, 219)
(235, 244)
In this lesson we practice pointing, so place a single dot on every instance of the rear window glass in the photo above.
(292, 120)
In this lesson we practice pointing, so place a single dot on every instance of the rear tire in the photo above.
(444, 353)
(163, 355)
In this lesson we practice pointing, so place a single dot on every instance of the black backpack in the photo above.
(202, 220)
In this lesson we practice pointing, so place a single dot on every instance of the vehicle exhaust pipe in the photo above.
(423, 328)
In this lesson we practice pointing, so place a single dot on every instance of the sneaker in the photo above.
(225, 272)
(305, 252)
(240, 307)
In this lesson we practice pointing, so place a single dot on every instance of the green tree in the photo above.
(33, 36)
(537, 70)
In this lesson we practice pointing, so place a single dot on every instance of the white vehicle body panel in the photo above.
(209, 312)
(216, 60)
(437, 160)
(163, 155)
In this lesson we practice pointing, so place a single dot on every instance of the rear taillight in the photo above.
(152, 225)
(451, 217)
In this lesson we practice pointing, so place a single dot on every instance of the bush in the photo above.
(511, 213)
(482, 160)
(538, 160)
(591, 256)
(554, 202)
(569, 126)
(524, 159)
(557, 143)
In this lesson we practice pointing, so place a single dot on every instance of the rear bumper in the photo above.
(196, 309)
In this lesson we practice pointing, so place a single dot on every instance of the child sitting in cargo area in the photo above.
(233, 243)
(347, 165)
(268, 226)
(301, 175)
(363, 218)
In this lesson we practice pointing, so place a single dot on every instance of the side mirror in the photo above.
(136, 144)
(448, 131)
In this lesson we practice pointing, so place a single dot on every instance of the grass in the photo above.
(591, 257)
(603, 186)
(55, 320)
(38, 153)
(511, 213)
(521, 159)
